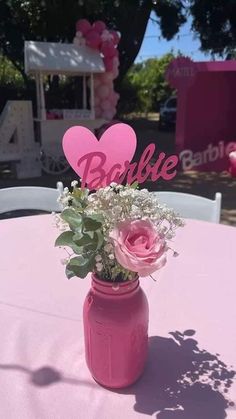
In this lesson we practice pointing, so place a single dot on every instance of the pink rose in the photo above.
(138, 247)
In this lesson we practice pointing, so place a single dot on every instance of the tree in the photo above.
(214, 21)
(55, 20)
(144, 87)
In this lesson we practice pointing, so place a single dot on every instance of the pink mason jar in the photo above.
(116, 332)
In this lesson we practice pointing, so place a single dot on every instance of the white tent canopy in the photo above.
(58, 58)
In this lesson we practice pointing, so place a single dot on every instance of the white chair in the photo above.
(30, 198)
(192, 206)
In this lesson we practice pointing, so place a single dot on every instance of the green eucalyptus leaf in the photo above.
(70, 273)
(95, 243)
(78, 250)
(78, 266)
(91, 224)
(83, 240)
(72, 217)
(65, 239)
(90, 247)
(99, 238)
(78, 204)
(77, 235)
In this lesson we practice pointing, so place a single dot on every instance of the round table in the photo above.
(192, 345)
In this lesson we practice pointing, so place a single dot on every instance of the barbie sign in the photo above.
(190, 159)
(98, 163)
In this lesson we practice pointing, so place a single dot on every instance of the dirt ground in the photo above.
(199, 183)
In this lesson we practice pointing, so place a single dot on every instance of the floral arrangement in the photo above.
(118, 232)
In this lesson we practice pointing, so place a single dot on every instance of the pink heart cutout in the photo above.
(118, 143)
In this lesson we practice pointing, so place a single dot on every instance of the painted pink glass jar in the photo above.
(116, 332)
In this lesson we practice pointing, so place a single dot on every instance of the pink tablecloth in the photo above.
(42, 368)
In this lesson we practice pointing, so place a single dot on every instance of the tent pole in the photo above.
(92, 96)
(42, 98)
(84, 93)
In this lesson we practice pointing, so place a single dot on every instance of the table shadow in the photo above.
(182, 381)
(45, 376)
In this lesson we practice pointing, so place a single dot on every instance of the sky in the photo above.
(154, 46)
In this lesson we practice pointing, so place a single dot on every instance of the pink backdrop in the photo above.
(206, 111)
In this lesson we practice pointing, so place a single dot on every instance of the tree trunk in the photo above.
(133, 28)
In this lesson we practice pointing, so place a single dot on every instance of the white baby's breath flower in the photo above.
(64, 200)
(64, 261)
(74, 183)
(99, 266)
(98, 258)
(117, 210)
(62, 228)
(108, 247)
(111, 256)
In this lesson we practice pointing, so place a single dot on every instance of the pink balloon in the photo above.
(115, 73)
(76, 41)
(116, 37)
(113, 97)
(107, 78)
(110, 96)
(97, 82)
(105, 105)
(116, 62)
(116, 53)
(102, 91)
(109, 114)
(99, 26)
(93, 39)
(98, 111)
(108, 49)
(108, 62)
(96, 101)
(83, 25)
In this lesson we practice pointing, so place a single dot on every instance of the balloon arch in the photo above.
(98, 37)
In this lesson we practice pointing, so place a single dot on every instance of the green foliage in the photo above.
(134, 185)
(85, 236)
(73, 218)
(65, 239)
(213, 21)
(55, 21)
(79, 266)
(91, 223)
(147, 79)
(9, 75)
